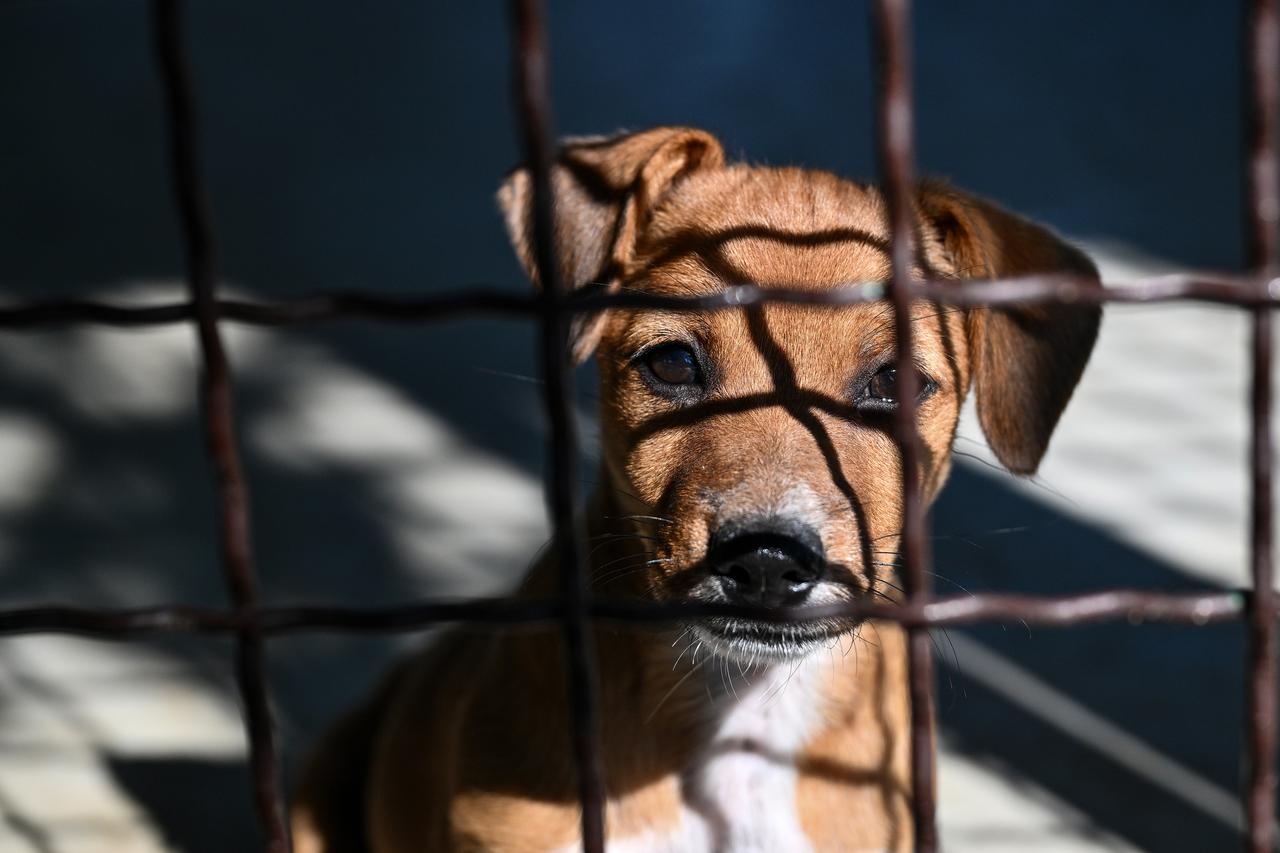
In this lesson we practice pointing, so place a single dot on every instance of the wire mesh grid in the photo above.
(251, 624)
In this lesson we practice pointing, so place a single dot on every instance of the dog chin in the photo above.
(748, 643)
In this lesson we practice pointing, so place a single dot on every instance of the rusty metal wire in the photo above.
(38, 315)
(895, 133)
(234, 536)
(1132, 605)
(533, 98)
(1262, 247)
(251, 623)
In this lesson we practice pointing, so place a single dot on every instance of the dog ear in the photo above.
(606, 189)
(1026, 360)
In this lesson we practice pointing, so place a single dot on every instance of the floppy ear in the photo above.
(1025, 360)
(606, 189)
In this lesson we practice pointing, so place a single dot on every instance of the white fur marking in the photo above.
(745, 785)
(740, 794)
(796, 502)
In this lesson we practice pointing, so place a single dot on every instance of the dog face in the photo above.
(754, 446)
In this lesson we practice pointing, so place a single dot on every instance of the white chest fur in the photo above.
(739, 796)
(743, 790)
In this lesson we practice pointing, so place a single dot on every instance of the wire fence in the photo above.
(251, 624)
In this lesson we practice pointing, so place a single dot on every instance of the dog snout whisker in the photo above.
(658, 518)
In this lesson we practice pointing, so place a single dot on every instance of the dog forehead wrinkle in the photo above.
(689, 271)
(777, 226)
(769, 260)
(786, 198)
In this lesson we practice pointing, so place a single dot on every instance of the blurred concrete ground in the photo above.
(97, 740)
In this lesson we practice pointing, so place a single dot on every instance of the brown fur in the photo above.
(467, 749)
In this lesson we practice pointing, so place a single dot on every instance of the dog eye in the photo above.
(881, 391)
(674, 364)
(883, 387)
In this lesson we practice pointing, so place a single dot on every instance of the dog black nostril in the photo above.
(765, 568)
(737, 573)
(797, 577)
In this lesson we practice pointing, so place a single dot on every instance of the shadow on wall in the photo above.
(188, 799)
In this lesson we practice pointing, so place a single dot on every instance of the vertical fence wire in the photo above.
(1262, 219)
(534, 107)
(891, 21)
(219, 416)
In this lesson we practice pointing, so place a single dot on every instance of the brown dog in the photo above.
(747, 457)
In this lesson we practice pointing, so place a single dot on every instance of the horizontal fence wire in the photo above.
(250, 622)
(391, 308)
(1135, 606)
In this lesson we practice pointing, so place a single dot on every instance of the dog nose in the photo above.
(768, 568)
